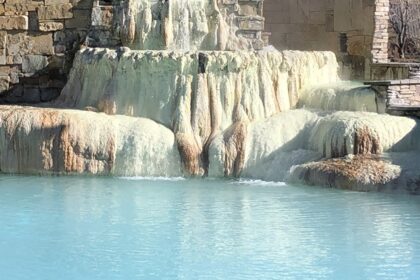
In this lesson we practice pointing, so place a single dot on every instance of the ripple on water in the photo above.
(144, 228)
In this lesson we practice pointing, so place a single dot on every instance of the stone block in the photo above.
(4, 70)
(317, 17)
(50, 26)
(13, 23)
(43, 44)
(61, 11)
(4, 84)
(18, 44)
(81, 19)
(34, 63)
(56, 2)
(356, 45)
(3, 60)
(248, 9)
(14, 59)
(3, 45)
(251, 23)
(15, 72)
(102, 16)
(20, 8)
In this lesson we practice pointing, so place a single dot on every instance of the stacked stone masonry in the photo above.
(356, 30)
(381, 34)
(38, 40)
(400, 96)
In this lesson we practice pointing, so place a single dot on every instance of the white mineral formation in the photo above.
(264, 149)
(154, 84)
(43, 141)
(268, 149)
(342, 96)
(196, 95)
(180, 25)
(342, 133)
(188, 106)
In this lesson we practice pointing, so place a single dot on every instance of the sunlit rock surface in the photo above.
(193, 98)
(342, 133)
(197, 95)
(180, 25)
(269, 149)
(45, 141)
(232, 85)
(207, 113)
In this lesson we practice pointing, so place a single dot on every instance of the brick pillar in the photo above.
(380, 37)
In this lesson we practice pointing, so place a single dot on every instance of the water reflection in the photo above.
(102, 228)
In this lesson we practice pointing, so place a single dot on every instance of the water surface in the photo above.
(104, 228)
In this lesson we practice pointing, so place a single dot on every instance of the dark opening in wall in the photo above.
(106, 2)
(343, 42)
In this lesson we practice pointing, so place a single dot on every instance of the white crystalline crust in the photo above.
(167, 86)
(261, 115)
(180, 25)
(43, 141)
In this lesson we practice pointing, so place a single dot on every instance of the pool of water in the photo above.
(111, 228)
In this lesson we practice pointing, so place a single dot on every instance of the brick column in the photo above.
(380, 37)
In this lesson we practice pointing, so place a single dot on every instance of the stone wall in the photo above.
(38, 39)
(346, 27)
(400, 96)
(381, 33)
(395, 71)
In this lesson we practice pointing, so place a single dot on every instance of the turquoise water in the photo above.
(103, 228)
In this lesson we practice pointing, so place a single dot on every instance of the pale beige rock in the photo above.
(56, 2)
(60, 11)
(50, 26)
(42, 44)
(13, 22)
(4, 83)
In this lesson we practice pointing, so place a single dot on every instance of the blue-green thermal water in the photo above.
(104, 228)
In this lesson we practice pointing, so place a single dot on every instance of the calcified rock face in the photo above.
(189, 107)
(342, 96)
(154, 84)
(180, 25)
(196, 95)
(43, 141)
(342, 133)
(275, 145)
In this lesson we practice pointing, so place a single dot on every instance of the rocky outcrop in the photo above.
(358, 173)
(393, 172)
